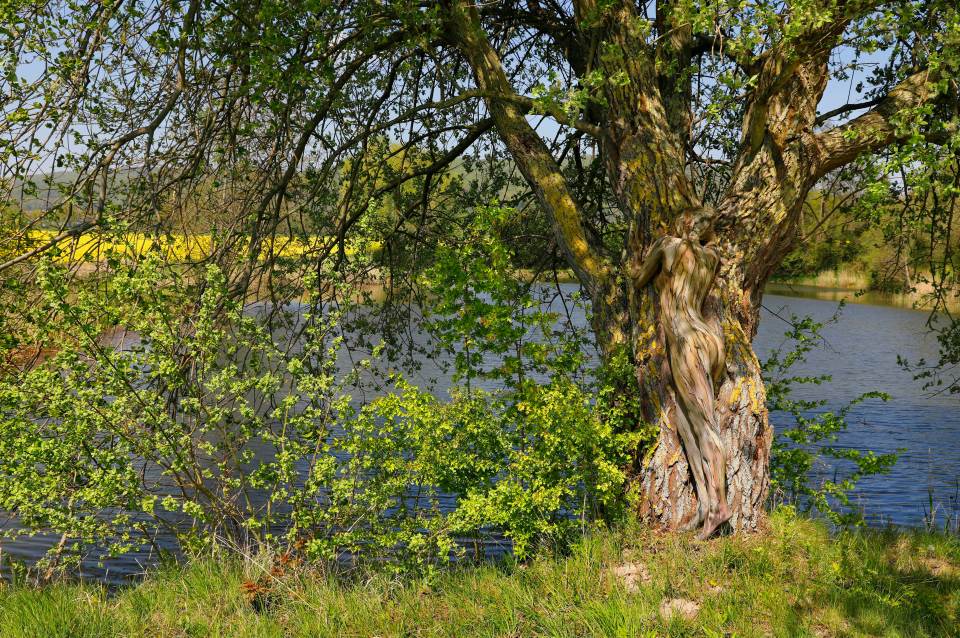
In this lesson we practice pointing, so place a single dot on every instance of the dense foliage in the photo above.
(229, 429)
(236, 236)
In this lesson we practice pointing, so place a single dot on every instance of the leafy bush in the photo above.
(421, 473)
(205, 425)
(530, 458)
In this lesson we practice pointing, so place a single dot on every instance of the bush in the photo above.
(210, 428)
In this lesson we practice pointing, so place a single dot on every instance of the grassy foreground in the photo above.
(793, 580)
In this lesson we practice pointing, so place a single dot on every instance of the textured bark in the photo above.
(630, 316)
(683, 270)
(667, 494)
(627, 315)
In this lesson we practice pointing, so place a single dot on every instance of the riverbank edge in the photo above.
(793, 579)
(856, 287)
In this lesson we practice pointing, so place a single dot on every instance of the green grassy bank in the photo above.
(793, 580)
(856, 285)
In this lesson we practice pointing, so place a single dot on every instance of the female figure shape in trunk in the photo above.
(683, 270)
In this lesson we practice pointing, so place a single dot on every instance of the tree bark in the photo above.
(664, 479)
(624, 316)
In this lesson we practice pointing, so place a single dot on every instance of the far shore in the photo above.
(87, 255)
(854, 287)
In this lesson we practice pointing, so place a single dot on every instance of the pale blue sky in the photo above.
(837, 93)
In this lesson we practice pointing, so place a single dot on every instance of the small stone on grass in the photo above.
(682, 607)
(631, 575)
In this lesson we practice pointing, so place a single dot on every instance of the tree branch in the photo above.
(777, 68)
(530, 105)
(551, 21)
(53, 241)
(846, 108)
(875, 129)
(528, 150)
(720, 45)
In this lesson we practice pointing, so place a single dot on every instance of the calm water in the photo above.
(861, 357)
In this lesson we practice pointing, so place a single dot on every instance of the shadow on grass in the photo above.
(897, 584)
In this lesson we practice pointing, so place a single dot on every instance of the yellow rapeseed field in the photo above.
(94, 247)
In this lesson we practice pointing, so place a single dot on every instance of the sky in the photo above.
(837, 94)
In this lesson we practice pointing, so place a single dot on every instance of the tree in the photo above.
(657, 110)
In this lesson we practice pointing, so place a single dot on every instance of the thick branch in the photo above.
(875, 129)
(526, 147)
(777, 70)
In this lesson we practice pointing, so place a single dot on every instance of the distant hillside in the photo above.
(44, 194)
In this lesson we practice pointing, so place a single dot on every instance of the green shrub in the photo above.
(210, 428)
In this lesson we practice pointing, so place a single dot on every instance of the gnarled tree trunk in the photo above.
(625, 316)
(667, 494)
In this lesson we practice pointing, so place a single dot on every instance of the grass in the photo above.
(793, 580)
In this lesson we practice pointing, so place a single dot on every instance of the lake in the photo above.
(861, 357)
